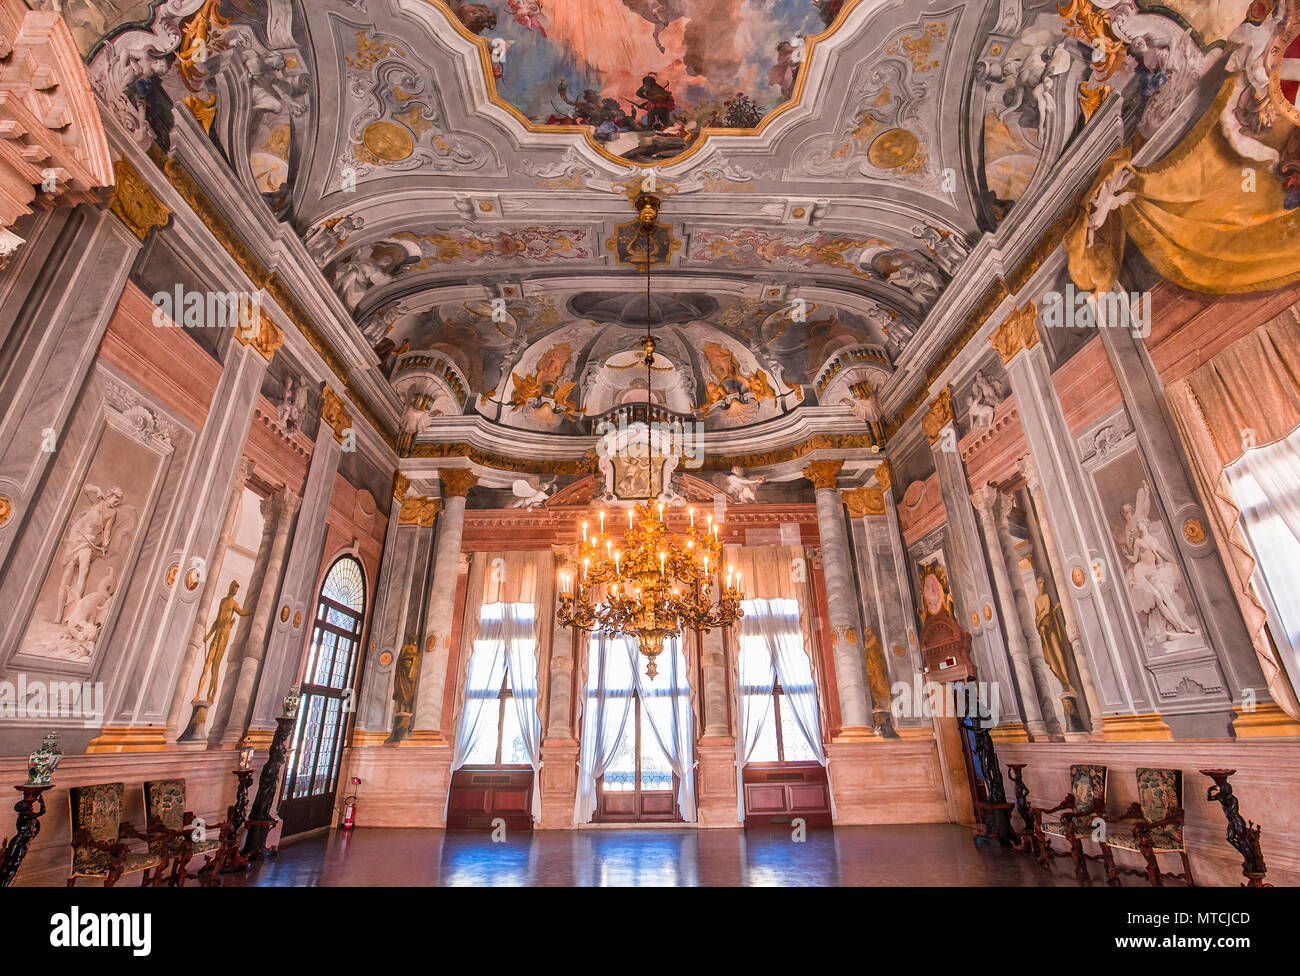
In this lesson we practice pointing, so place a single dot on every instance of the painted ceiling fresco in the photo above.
(477, 239)
(648, 75)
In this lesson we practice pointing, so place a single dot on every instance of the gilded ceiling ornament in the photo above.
(1193, 531)
(936, 595)
(386, 142)
(334, 413)
(6, 509)
(401, 484)
(917, 47)
(864, 501)
(939, 415)
(896, 149)
(134, 201)
(456, 482)
(1091, 98)
(1019, 331)
(823, 473)
(422, 511)
(203, 109)
(1093, 27)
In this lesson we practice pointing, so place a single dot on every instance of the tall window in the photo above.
(327, 683)
(776, 711)
(1266, 487)
(494, 703)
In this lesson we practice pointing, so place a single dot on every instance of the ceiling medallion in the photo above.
(651, 584)
(892, 149)
(387, 141)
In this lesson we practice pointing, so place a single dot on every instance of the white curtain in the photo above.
(666, 702)
(604, 716)
(1266, 485)
(505, 645)
(755, 679)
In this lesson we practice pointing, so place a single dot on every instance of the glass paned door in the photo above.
(315, 752)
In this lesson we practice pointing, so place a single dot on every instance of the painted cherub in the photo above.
(528, 13)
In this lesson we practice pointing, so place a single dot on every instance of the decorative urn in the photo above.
(246, 752)
(42, 762)
(291, 701)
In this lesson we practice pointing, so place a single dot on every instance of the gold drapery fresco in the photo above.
(1203, 216)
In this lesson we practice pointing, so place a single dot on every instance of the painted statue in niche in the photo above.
(1153, 578)
(90, 562)
(1049, 620)
(218, 639)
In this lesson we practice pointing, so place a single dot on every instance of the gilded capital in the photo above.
(823, 473)
(939, 415)
(1019, 331)
(456, 482)
(885, 475)
(333, 413)
(417, 510)
(260, 332)
(134, 201)
(864, 501)
(401, 483)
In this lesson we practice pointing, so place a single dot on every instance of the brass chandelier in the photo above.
(651, 584)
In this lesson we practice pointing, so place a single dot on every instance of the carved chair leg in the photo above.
(1044, 848)
(111, 878)
(1076, 849)
(1187, 868)
(72, 880)
(1153, 867)
(1112, 875)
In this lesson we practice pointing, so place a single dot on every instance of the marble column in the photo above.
(396, 618)
(559, 780)
(881, 626)
(56, 299)
(559, 709)
(143, 688)
(1032, 685)
(713, 664)
(456, 483)
(967, 567)
(231, 719)
(855, 715)
(293, 621)
(1072, 632)
(1110, 636)
(194, 651)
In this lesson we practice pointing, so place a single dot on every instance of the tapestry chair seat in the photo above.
(1152, 825)
(173, 834)
(99, 836)
(1075, 814)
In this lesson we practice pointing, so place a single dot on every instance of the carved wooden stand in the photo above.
(1242, 834)
(1028, 842)
(228, 858)
(29, 809)
(996, 809)
(260, 820)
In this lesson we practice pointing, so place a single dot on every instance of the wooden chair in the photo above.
(98, 837)
(1156, 827)
(171, 829)
(1085, 802)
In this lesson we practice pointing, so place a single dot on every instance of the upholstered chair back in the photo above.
(165, 799)
(1160, 793)
(1088, 784)
(97, 809)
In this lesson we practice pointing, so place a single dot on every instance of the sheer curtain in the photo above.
(666, 702)
(505, 645)
(1266, 485)
(776, 645)
(607, 702)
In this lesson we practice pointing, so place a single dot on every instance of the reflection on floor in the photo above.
(921, 854)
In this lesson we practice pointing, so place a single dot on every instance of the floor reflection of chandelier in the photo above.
(653, 584)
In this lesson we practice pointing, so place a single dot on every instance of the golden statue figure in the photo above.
(1047, 616)
(218, 638)
(405, 675)
(878, 682)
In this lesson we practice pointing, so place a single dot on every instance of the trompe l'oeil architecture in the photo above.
(558, 413)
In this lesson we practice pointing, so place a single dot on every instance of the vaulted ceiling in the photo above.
(459, 173)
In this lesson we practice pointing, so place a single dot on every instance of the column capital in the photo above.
(456, 482)
(243, 473)
(1028, 470)
(334, 413)
(400, 485)
(864, 501)
(134, 202)
(823, 473)
(939, 415)
(1018, 331)
(985, 498)
(417, 510)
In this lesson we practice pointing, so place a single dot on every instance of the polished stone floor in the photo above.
(919, 854)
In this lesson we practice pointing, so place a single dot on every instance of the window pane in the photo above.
(484, 751)
(656, 774)
(792, 737)
(765, 749)
(513, 751)
(621, 774)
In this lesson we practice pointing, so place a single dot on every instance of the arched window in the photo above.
(327, 688)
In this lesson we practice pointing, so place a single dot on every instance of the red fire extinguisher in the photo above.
(350, 806)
